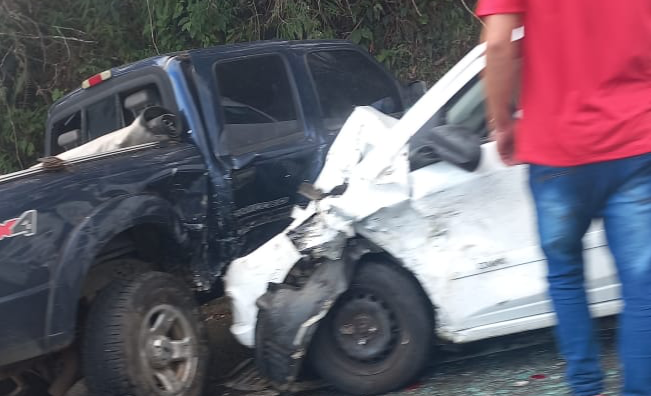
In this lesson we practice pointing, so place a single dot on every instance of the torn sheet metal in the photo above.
(289, 317)
(247, 280)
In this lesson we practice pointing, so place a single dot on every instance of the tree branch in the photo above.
(53, 37)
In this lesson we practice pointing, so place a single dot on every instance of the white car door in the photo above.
(485, 222)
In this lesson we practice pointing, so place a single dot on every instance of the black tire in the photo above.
(381, 363)
(133, 328)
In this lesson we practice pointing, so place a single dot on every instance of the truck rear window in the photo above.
(103, 117)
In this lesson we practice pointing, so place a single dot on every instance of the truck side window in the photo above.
(109, 114)
(345, 79)
(257, 103)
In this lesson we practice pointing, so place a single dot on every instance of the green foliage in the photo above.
(49, 47)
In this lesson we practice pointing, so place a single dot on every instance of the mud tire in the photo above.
(112, 349)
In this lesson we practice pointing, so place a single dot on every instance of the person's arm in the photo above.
(501, 79)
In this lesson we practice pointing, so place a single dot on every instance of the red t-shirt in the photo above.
(586, 89)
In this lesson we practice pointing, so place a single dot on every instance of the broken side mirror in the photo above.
(69, 139)
(457, 145)
(414, 91)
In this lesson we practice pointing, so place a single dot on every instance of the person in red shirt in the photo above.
(586, 134)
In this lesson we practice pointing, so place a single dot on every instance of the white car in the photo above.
(416, 230)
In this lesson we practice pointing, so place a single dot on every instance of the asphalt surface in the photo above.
(526, 364)
(528, 371)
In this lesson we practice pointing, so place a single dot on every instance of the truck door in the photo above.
(264, 135)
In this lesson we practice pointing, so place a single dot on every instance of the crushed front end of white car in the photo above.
(414, 225)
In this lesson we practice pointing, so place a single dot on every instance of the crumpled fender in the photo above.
(289, 316)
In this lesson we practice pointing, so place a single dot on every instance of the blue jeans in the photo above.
(567, 199)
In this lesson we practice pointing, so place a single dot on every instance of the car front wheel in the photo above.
(379, 334)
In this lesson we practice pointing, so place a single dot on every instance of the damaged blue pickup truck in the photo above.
(157, 175)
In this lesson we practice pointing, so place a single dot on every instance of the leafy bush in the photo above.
(49, 47)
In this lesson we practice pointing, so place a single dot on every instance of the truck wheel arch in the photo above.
(84, 244)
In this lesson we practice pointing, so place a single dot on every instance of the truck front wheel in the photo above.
(144, 337)
(378, 336)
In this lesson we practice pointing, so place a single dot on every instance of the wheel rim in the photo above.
(169, 350)
(366, 328)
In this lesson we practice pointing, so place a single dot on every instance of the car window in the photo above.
(468, 109)
(258, 105)
(244, 115)
(239, 113)
(345, 79)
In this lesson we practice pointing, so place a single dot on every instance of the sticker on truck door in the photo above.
(24, 225)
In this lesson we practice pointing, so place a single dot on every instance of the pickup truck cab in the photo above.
(101, 255)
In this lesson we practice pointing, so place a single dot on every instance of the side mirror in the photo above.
(458, 146)
(414, 91)
(453, 144)
(69, 139)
